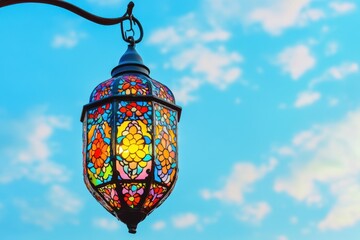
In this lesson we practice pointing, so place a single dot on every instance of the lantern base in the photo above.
(131, 219)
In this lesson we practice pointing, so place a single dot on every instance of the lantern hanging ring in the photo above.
(128, 16)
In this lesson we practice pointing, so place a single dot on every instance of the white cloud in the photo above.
(63, 200)
(166, 38)
(276, 16)
(273, 16)
(159, 225)
(183, 93)
(67, 40)
(187, 31)
(306, 98)
(285, 151)
(32, 154)
(294, 220)
(331, 48)
(187, 44)
(336, 73)
(227, 9)
(340, 72)
(333, 102)
(185, 221)
(328, 155)
(342, 7)
(254, 213)
(282, 237)
(106, 224)
(296, 60)
(59, 206)
(218, 67)
(240, 181)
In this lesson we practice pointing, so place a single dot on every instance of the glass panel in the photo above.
(162, 92)
(129, 111)
(157, 192)
(133, 85)
(133, 146)
(111, 196)
(132, 193)
(99, 166)
(165, 144)
(102, 90)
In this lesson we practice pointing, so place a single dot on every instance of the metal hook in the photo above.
(91, 17)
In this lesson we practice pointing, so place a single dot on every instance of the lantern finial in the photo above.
(131, 61)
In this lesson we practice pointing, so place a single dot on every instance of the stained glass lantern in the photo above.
(130, 152)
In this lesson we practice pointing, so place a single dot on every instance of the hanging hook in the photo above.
(132, 22)
(128, 16)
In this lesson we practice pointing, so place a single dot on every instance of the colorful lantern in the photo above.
(130, 152)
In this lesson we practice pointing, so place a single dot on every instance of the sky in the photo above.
(269, 137)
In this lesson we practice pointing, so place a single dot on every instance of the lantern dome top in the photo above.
(131, 78)
(132, 84)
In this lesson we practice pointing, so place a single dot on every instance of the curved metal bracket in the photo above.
(128, 16)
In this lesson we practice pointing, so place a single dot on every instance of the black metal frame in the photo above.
(128, 16)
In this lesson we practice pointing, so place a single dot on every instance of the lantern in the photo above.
(130, 149)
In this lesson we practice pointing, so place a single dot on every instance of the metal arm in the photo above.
(128, 16)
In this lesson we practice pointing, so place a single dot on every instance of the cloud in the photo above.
(336, 73)
(342, 7)
(333, 102)
(185, 220)
(63, 200)
(294, 220)
(187, 31)
(282, 237)
(340, 72)
(183, 93)
(331, 48)
(254, 213)
(159, 225)
(274, 16)
(31, 156)
(219, 67)
(327, 156)
(306, 98)
(60, 206)
(296, 60)
(67, 40)
(240, 181)
(106, 224)
(280, 15)
(197, 48)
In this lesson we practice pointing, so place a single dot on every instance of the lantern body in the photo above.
(130, 142)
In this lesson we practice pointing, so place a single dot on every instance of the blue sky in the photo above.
(270, 130)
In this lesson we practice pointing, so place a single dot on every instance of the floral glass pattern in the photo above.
(165, 144)
(156, 193)
(162, 92)
(130, 111)
(99, 166)
(103, 90)
(111, 196)
(133, 150)
(132, 193)
(133, 85)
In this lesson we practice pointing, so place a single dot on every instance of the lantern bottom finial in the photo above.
(132, 228)
(131, 219)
